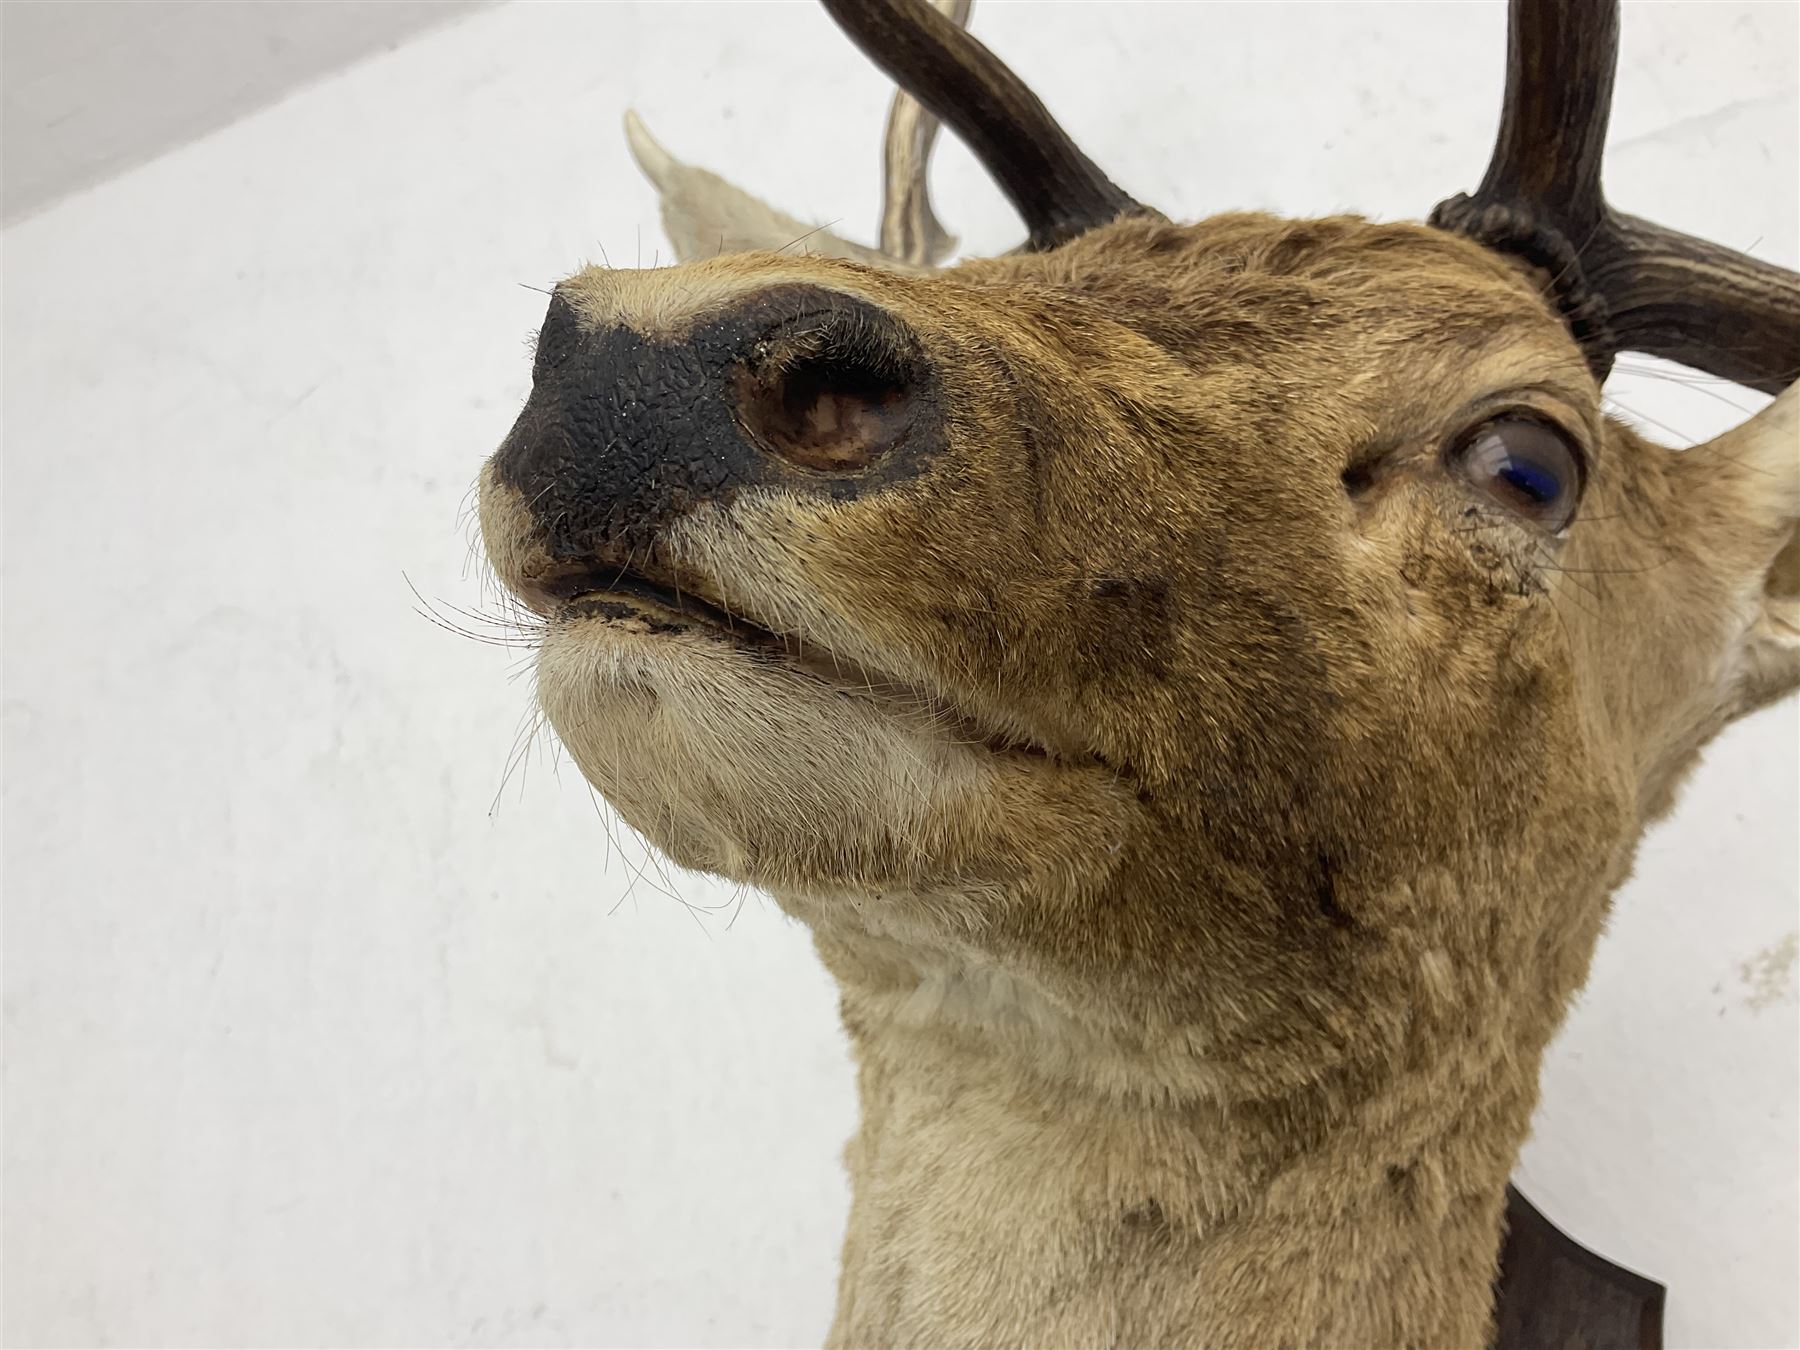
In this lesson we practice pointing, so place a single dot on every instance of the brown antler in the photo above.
(1623, 283)
(1058, 191)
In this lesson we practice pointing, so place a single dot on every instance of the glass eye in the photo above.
(1527, 466)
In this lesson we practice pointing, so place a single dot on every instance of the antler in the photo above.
(910, 229)
(1623, 283)
(1059, 191)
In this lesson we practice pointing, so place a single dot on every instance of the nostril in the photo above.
(826, 405)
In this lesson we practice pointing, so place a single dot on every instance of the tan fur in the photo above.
(1206, 852)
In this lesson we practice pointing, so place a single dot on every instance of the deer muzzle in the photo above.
(634, 422)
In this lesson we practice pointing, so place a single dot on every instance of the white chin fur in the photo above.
(751, 768)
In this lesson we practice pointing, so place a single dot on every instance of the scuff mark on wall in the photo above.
(1770, 973)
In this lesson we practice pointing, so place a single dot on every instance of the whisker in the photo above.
(817, 229)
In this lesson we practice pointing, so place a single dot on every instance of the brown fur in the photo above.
(1207, 803)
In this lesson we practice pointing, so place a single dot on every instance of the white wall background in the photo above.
(305, 1044)
(91, 89)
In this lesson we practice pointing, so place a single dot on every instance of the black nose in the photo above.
(796, 386)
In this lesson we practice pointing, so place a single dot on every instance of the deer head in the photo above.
(1228, 663)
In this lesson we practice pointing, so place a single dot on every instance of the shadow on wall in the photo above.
(94, 89)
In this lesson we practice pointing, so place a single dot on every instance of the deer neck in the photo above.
(1011, 1187)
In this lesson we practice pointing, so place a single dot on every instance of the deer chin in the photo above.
(736, 752)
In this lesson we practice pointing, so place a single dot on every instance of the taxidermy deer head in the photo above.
(1200, 683)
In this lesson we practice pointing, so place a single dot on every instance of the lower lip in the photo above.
(629, 588)
(658, 610)
(627, 609)
(662, 610)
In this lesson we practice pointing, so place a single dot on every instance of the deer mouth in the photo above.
(663, 605)
(660, 604)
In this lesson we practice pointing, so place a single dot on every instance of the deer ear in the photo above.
(1757, 536)
(706, 216)
(1772, 646)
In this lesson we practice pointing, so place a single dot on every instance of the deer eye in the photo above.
(1527, 466)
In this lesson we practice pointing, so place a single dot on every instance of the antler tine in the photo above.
(1623, 283)
(1692, 301)
(1560, 60)
(910, 229)
(1058, 191)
